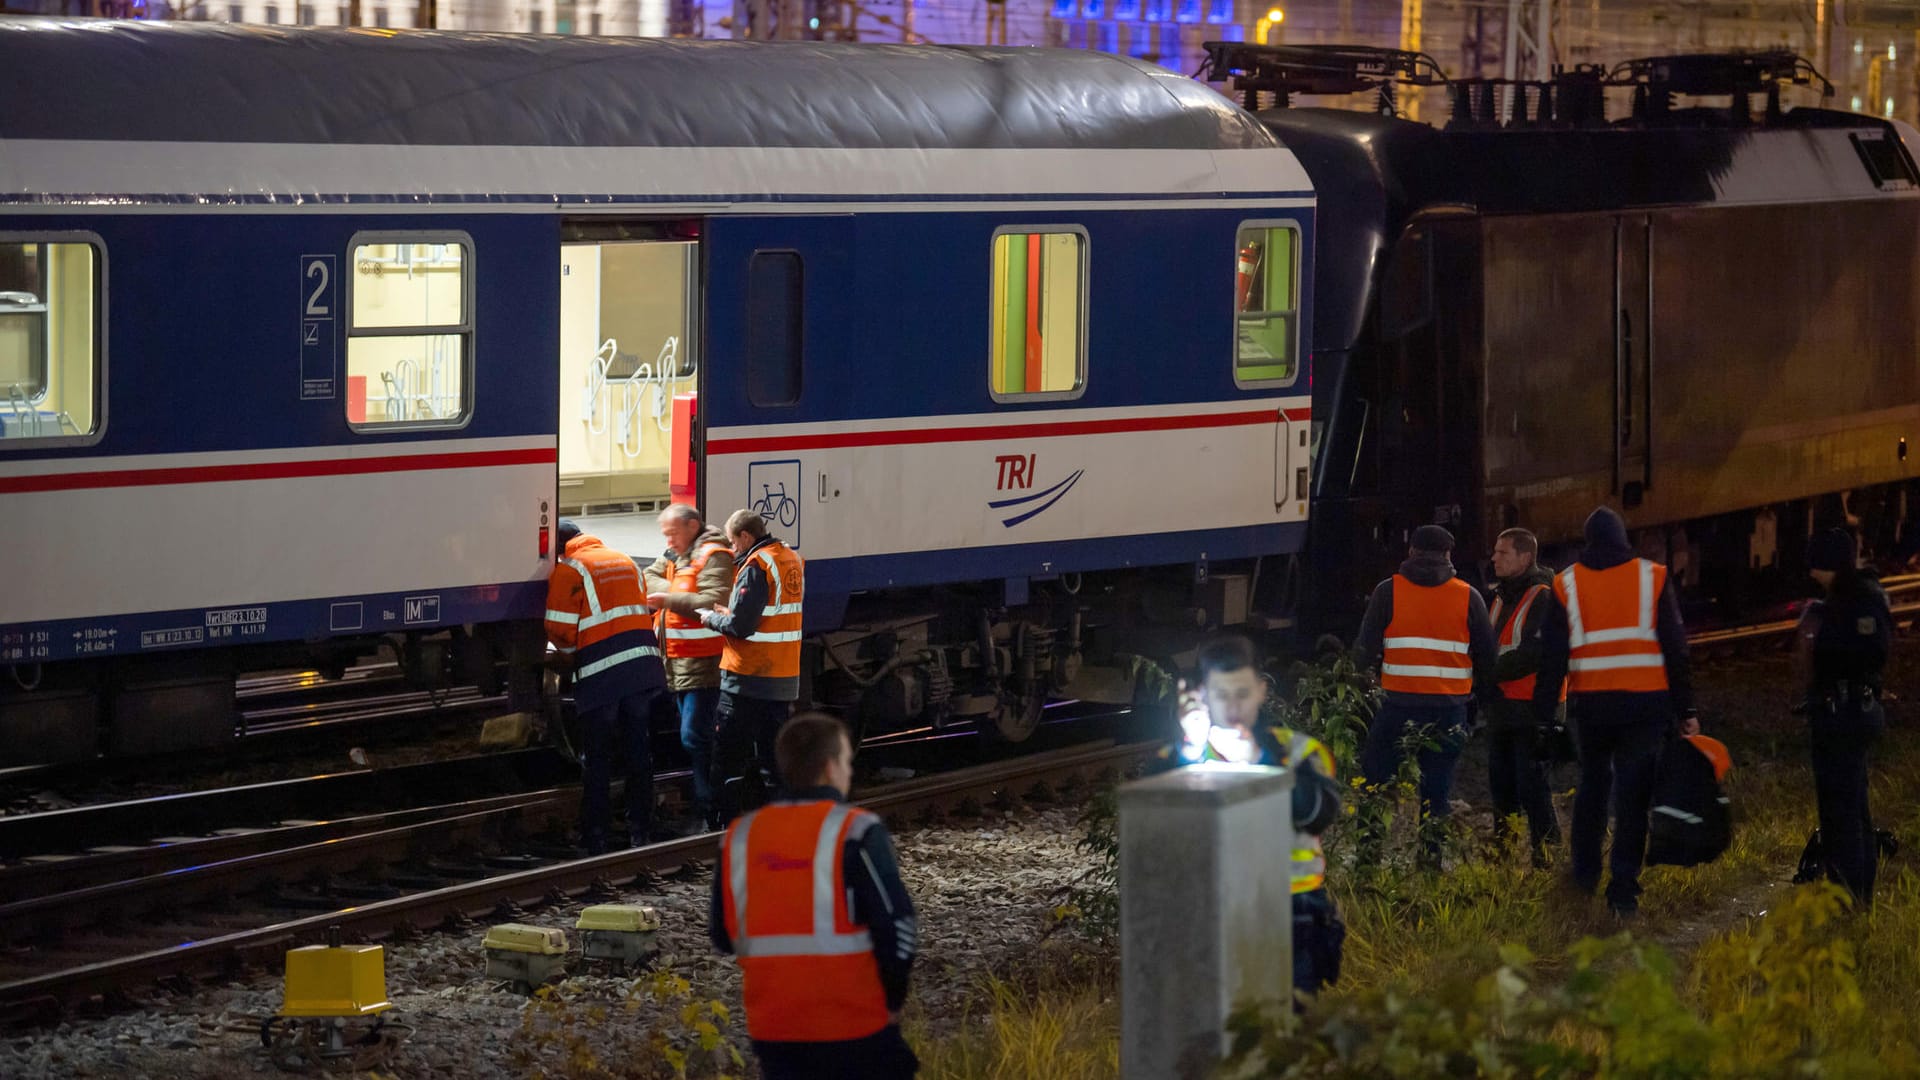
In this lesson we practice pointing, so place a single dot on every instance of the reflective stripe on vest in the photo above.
(621, 631)
(809, 974)
(773, 649)
(1520, 689)
(1426, 650)
(684, 635)
(1613, 639)
(1309, 857)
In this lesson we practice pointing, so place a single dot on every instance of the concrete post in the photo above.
(1206, 911)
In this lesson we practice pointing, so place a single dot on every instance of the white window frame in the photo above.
(99, 246)
(464, 329)
(1086, 292)
(1299, 265)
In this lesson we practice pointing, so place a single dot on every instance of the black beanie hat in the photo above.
(1605, 528)
(565, 532)
(1831, 549)
(1432, 538)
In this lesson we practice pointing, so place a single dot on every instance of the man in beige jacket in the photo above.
(695, 572)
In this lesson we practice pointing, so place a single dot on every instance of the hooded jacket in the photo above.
(1607, 547)
(716, 580)
(1428, 569)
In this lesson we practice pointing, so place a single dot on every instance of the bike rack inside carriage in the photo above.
(1572, 98)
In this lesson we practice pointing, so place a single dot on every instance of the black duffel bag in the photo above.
(1690, 823)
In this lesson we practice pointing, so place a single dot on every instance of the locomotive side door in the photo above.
(1633, 358)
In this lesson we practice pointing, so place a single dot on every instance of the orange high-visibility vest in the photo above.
(597, 609)
(1613, 638)
(684, 635)
(773, 650)
(1520, 689)
(808, 971)
(1427, 643)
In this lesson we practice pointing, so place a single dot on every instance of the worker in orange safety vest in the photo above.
(694, 572)
(597, 617)
(760, 636)
(808, 897)
(1615, 634)
(1516, 757)
(1428, 631)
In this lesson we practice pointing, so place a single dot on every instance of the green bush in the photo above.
(1779, 999)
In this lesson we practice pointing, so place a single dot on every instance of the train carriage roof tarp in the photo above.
(199, 83)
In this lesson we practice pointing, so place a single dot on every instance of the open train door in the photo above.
(630, 357)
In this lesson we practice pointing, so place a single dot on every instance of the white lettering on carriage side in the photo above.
(163, 639)
(237, 616)
(318, 289)
(422, 609)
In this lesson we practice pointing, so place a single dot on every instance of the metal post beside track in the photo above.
(1206, 911)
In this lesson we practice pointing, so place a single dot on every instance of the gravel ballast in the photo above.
(985, 888)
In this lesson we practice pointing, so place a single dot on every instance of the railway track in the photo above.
(403, 881)
(1903, 590)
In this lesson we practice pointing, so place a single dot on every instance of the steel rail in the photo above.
(545, 884)
(80, 827)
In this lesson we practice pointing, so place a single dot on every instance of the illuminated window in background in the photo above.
(1220, 12)
(1065, 9)
(1039, 314)
(1093, 9)
(1266, 304)
(1187, 11)
(49, 323)
(1126, 10)
(1159, 11)
(408, 334)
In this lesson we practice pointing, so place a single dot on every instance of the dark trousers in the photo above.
(1440, 733)
(1847, 844)
(884, 1055)
(622, 724)
(743, 736)
(1318, 939)
(697, 708)
(1518, 779)
(1618, 758)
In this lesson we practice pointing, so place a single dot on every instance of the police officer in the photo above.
(808, 897)
(1843, 642)
(696, 571)
(760, 651)
(1429, 632)
(1221, 722)
(597, 615)
(1516, 769)
(1616, 635)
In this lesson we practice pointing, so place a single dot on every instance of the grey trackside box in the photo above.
(1206, 911)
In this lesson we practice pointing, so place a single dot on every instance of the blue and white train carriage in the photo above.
(308, 336)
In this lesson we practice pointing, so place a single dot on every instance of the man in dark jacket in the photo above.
(1615, 634)
(1844, 639)
(824, 1004)
(760, 630)
(1516, 769)
(1429, 632)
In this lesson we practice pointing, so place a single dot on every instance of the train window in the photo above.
(775, 288)
(1266, 304)
(1039, 314)
(409, 330)
(50, 355)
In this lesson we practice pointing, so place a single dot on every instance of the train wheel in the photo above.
(1017, 716)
